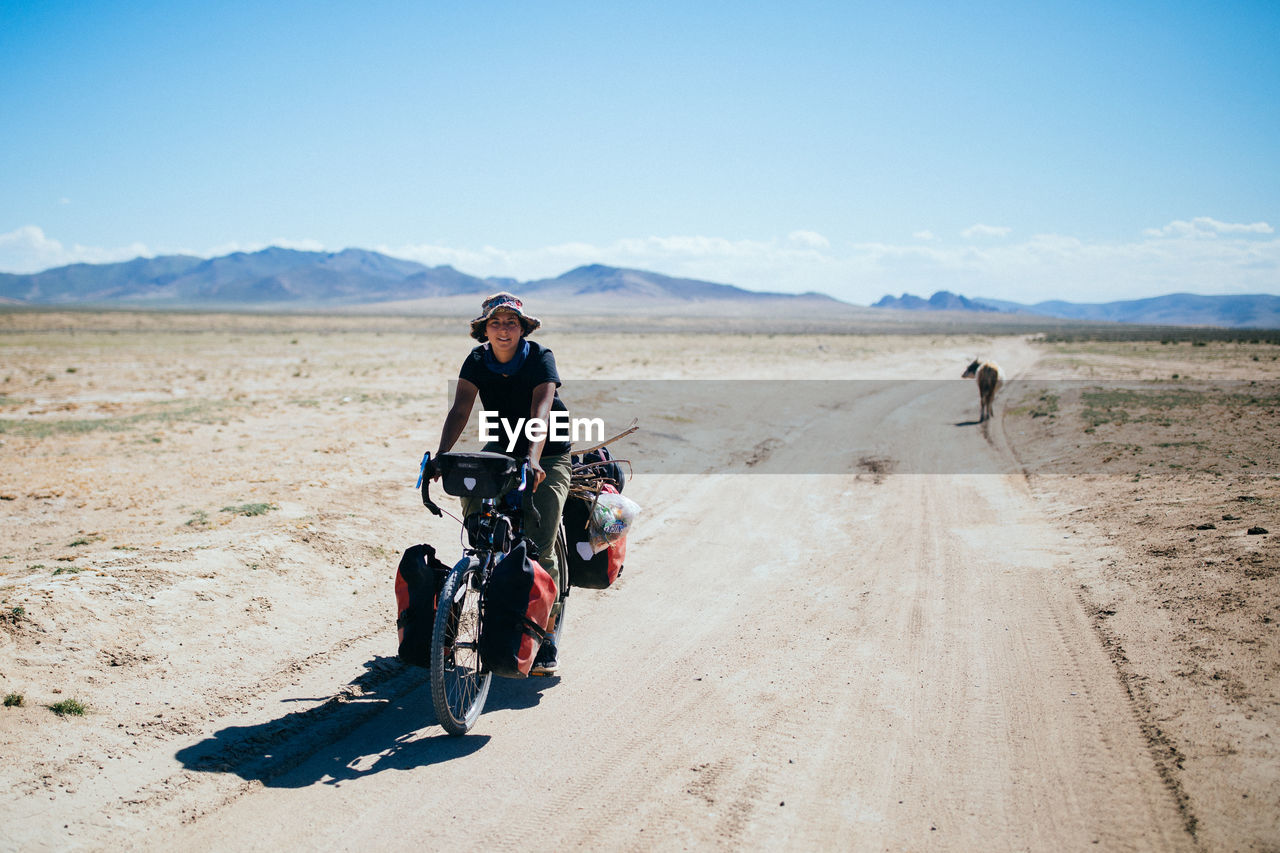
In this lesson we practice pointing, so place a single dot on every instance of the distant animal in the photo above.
(988, 376)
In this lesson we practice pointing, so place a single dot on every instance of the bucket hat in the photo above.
(502, 301)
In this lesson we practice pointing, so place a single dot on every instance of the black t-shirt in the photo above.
(512, 396)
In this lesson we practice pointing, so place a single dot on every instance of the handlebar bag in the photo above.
(514, 613)
(419, 578)
(588, 568)
(481, 474)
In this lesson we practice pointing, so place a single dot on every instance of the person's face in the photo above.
(503, 332)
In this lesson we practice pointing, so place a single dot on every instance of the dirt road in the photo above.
(803, 662)
(868, 658)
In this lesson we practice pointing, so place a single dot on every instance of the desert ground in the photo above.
(867, 622)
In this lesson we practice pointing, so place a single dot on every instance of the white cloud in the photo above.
(27, 250)
(765, 265)
(1055, 266)
(483, 262)
(924, 235)
(1205, 226)
(1044, 266)
(808, 240)
(1176, 257)
(985, 231)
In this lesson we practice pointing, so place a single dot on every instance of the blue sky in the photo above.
(1088, 150)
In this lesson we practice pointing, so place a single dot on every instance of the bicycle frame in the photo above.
(459, 680)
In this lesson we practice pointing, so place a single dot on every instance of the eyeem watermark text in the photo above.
(561, 428)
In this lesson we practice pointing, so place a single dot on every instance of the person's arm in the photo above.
(540, 409)
(464, 397)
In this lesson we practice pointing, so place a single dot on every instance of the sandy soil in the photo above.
(201, 517)
(1172, 480)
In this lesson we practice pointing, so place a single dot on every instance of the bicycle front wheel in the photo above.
(562, 555)
(458, 687)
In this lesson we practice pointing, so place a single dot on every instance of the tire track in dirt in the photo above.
(731, 786)
(1164, 753)
(955, 700)
(149, 787)
(609, 781)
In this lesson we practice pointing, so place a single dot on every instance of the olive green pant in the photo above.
(549, 501)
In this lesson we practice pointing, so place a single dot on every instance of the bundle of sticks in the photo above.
(589, 478)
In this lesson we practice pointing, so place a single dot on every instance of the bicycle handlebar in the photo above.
(424, 483)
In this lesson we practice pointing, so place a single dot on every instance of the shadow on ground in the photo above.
(382, 720)
(513, 694)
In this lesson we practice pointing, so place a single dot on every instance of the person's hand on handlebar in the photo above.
(536, 473)
(429, 472)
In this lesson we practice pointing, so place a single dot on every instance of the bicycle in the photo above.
(459, 678)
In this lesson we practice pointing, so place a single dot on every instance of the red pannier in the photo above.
(516, 608)
(418, 581)
(588, 570)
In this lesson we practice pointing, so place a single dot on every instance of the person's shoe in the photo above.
(545, 662)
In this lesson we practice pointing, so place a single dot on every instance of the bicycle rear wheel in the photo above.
(562, 555)
(458, 687)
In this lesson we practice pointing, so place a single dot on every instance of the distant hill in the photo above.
(943, 300)
(1253, 311)
(1178, 309)
(96, 282)
(272, 276)
(596, 280)
(283, 279)
(288, 278)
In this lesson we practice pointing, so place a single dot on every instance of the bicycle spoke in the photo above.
(459, 687)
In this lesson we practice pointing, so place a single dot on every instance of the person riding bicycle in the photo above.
(516, 380)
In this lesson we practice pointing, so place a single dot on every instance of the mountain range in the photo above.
(287, 278)
(1250, 311)
(943, 300)
(276, 277)
(271, 276)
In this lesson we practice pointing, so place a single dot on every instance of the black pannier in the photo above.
(480, 474)
(418, 581)
(587, 569)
